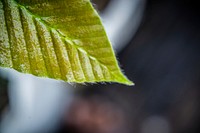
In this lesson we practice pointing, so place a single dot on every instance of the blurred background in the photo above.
(158, 46)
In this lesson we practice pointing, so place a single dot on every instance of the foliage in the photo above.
(60, 39)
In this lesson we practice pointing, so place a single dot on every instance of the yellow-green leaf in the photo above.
(60, 39)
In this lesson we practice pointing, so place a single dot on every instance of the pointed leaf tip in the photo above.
(62, 39)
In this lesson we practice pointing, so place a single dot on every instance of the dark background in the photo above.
(163, 60)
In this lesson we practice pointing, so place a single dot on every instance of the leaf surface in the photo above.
(60, 39)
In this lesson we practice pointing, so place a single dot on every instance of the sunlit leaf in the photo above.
(60, 39)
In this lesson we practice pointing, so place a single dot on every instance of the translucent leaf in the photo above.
(60, 39)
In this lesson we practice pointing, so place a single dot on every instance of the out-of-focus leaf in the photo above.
(60, 39)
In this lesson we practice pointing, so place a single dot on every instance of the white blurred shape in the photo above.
(36, 104)
(156, 124)
(121, 20)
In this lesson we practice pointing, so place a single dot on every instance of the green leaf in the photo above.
(60, 39)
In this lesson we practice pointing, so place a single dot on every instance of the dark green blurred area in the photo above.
(3, 93)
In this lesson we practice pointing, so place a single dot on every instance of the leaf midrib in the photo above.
(63, 36)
